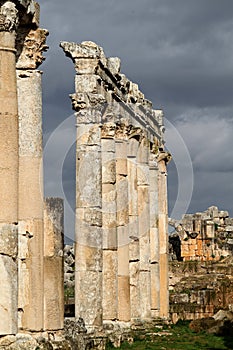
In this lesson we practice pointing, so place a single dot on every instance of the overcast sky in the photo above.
(180, 52)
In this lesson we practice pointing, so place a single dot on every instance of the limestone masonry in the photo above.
(25, 262)
(121, 243)
(206, 236)
(121, 194)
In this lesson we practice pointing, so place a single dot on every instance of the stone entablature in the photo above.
(121, 250)
(203, 236)
(112, 86)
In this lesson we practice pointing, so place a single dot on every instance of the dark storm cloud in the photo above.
(180, 52)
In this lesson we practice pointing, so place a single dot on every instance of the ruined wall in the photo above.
(121, 198)
(199, 289)
(206, 236)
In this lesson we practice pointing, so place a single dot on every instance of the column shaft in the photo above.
(163, 239)
(122, 231)
(154, 238)
(109, 228)
(143, 183)
(8, 184)
(88, 253)
(31, 230)
(53, 264)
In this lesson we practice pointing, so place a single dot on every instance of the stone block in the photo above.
(124, 313)
(108, 145)
(88, 134)
(88, 297)
(132, 187)
(88, 187)
(85, 82)
(155, 286)
(53, 293)
(89, 258)
(123, 260)
(143, 175)
(8, 296)
(145, 295)
(154, 245)
(122, 202)
(108, 168)
(110, 285)
(134, 269)
(9, 239)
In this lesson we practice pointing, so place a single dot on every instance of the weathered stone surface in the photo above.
(134, 290)
(124, 298)
(109, 285)
(89, 300)
(203, 236)
(118, 217)
(9, 240)
(88, 186)
(8, 295)
(53, 264)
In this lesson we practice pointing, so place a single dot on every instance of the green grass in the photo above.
(181, 338)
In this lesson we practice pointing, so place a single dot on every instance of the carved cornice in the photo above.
(30, 48)
(8, 17)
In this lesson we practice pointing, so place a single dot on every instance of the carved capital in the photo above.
(164, 156)
(136, 132)
(122, 130)
(78, 101)
(8, 17)
(87, 100)
(30, 48)
(108, 131)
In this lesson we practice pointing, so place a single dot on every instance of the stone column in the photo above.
(122, 224)
(31, 44)
(8, 170)
(109, 216)
(154, 237)
(163, 158)
(143, 182)
(53, 264)
(87, 103)
(134, 254)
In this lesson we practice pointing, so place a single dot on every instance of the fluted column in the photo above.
(8, 170)
(31, 44)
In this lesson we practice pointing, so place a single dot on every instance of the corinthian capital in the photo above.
(8, 17)
(30, 48)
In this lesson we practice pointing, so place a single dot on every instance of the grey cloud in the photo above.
(180, 53)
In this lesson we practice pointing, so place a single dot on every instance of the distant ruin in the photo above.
(206, 236)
